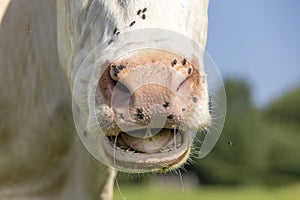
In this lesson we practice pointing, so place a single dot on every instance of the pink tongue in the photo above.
(149, 145)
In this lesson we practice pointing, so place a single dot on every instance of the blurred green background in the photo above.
(256, 46)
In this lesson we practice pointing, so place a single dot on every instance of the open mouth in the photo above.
(163, 151)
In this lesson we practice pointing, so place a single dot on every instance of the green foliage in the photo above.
(240, 154)
(256, 146)
(283, 119)
(286, 109)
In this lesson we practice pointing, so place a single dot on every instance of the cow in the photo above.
(46, 51)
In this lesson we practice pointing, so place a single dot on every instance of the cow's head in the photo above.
(141, 96)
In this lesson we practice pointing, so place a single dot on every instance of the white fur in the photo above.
(40, 157)
(83, 24)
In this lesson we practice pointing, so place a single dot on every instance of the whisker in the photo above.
(215, 96)
(217, 117)
(181, 181)
(214, 128)
(214, 106)
(114, 153)
(215, 125)
(116, 180)
(175, 136)
(119, 190)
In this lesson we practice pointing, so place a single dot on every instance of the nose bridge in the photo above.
(154, 100)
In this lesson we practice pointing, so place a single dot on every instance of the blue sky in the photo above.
(259, 41)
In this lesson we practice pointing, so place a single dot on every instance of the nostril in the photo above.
(120, 94)
(114, 73)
